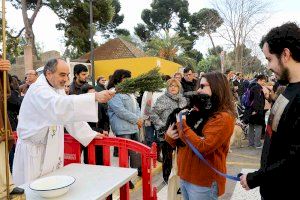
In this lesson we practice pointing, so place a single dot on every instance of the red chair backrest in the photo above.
(148, 157)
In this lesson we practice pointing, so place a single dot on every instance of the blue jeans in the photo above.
(190, 191)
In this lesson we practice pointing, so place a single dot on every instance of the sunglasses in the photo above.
(203, 85)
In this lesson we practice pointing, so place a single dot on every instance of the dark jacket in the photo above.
(75, 88)
(241, 86)
(99, 87)
(281, 152)
(103, 120)
(257, 98)
(13, 108)
(188, 86)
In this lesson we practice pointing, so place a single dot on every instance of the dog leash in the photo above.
(200, 156)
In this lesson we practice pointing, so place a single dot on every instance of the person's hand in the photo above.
(104, 96)
(243, 181)
(100, 136)
(172, 132)
(140, 123)
(105, 133)
(4, 65)
(253, 113)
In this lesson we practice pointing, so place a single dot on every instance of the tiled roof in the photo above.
(115, 49)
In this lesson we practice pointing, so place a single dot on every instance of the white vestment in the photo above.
(44, 113)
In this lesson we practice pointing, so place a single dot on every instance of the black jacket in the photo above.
(280, 158)
(188, 86)
(242, 86)
(257, 98)
(75, 88)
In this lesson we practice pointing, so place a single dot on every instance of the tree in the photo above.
(251, 64)
(13, 44)
(142, 32)
(111, 29)
(75, 14)
(75, 17)
(26, 5)
(164, 16)
(70, 52)
(241, 18)
(215, 51)
(195, 54)
(211, 63)
(122, 32)
(205, 22)
(169, 48)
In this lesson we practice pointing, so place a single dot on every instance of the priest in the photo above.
(44, 113)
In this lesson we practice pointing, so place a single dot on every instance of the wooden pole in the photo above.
(92, 43)
(5, 99)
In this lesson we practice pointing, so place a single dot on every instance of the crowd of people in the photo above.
(41, 109)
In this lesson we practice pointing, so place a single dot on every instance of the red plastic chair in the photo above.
(72, 151)
(148, 157)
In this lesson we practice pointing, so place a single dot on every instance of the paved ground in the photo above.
(240, 160)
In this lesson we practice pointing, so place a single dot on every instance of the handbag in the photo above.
(173, 182)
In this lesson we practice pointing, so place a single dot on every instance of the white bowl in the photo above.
(52, 186)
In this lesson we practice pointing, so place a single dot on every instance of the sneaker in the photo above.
(259, 147)
(17, 191)
(131, 185)
(139, 172)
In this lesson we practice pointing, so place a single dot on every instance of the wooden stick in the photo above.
(5, 99)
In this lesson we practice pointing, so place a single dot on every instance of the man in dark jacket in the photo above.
(188, 81)
(279, 170)
(255, 111)
(240, 84)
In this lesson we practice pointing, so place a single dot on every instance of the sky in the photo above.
(52, 39)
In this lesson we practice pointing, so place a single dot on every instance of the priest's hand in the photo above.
(104, 96)
(105, 133)
(4, 65)
(100, 136)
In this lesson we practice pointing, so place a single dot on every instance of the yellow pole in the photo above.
(5, 98)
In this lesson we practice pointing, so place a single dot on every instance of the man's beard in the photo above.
(82, 82)
(285, 75)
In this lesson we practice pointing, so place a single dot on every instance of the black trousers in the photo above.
(167, 151)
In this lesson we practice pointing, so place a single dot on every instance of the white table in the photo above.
(92, 181)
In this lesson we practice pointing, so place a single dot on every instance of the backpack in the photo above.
(246, 99)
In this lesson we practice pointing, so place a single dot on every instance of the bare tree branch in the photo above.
(18, 35)
(241, 18)
(36, 10)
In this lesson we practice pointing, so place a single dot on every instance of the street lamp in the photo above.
(92, 43)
